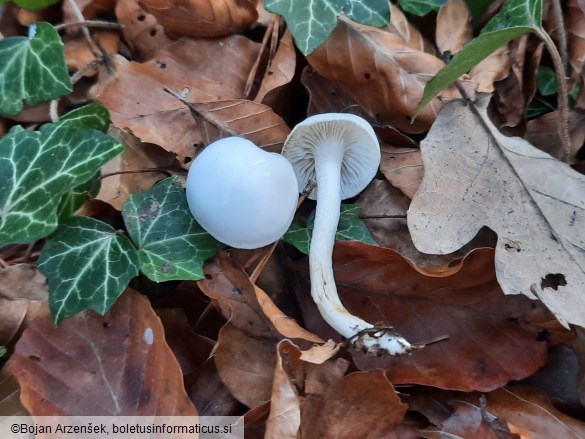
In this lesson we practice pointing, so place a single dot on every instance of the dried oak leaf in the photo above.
(490, 341)
(117, 364)
(575, 17)
(381, 71)
(137, 101)
(203, 18)
(474, 177)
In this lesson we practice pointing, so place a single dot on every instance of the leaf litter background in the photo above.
(226, 345)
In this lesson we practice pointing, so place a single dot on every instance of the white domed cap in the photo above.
(355, 135)
(242, 195)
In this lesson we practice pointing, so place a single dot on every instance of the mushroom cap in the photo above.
(242, 195)
(354, 134)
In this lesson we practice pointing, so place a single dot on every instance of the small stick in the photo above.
(89, 23)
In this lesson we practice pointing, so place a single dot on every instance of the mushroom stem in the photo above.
(364, 335)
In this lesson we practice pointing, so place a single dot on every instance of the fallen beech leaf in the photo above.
(118, 364)
(534, 203)
(530, 410)
(79, 55)
(318, 354)
(405, 30)
(10, 404)
(575, 17)
(361, 405)
(493, 68)
(489, 341)
(12, 313)
(543, 133)
(453, 26)
(245, 364)
(203, 18)
(279, 73)
(193, 65)
(209, 394)
(384, 75)
(23, 281)
(403, 168)
(89, 8)
(284, 324)
(141, 30)
(239, 117)
(284, 419)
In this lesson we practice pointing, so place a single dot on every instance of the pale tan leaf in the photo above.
(405, 30)
(453, 26)
(203, 18)
(493, 68)
(403, 168)
(284, 324)
(285, 407)
(535, 203)
(23, 281)
(383, 73)
(319, 354)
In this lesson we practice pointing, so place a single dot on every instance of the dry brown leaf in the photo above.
(12, 313)
(89, 9)
(23, 281)
(279, 73)
(196, 66)
(534, 203)
(203, 18)
(492, 69)
(284, 324)
(575, 17)
(284, 419)
(141, 30)
(78, 54)
(403, 168)
(117, 364)
(490, 338)
(318, 354)
(10, 404)
(115, 189)
(209, 394)
(361, 405)
(245, 364)
(543, 133)
(530, 410)
(239, 117)
(453, 27)
(400, 26)
(381, 72)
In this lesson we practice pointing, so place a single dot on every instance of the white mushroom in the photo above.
(242, 195)
(341, 153)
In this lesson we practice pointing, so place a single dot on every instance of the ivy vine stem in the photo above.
(563, 100)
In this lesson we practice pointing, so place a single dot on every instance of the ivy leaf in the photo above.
(516, 18)
(2, 351)
(350, 228)
(421, 7)
(311, 21)
(91, 116)
(88, 265)
(32, 69)
(74, 199)
(171, 244)
(546, 81)
(38, 168)
(33, 5)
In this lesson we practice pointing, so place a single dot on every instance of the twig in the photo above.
(135, 171)
(80, 18)
(89, 23)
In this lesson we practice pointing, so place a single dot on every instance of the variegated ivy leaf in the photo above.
(311, 21)
(33, 5)
(88, 265)
(32, 69)
(350, 228)
(421, 7)
(171, 244)
(39, 168)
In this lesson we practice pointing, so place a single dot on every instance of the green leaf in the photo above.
(171, 244)
(546, 81)
(2, 351)
(74, 199)
(516, 18)
(421, 7)
(350, 228)
(91, 116)
(88, 265)
(32, 69)
(32, 5)
(477, 8)
(38, 168)
(311, 21)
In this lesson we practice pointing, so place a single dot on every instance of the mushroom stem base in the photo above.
(377, 341)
